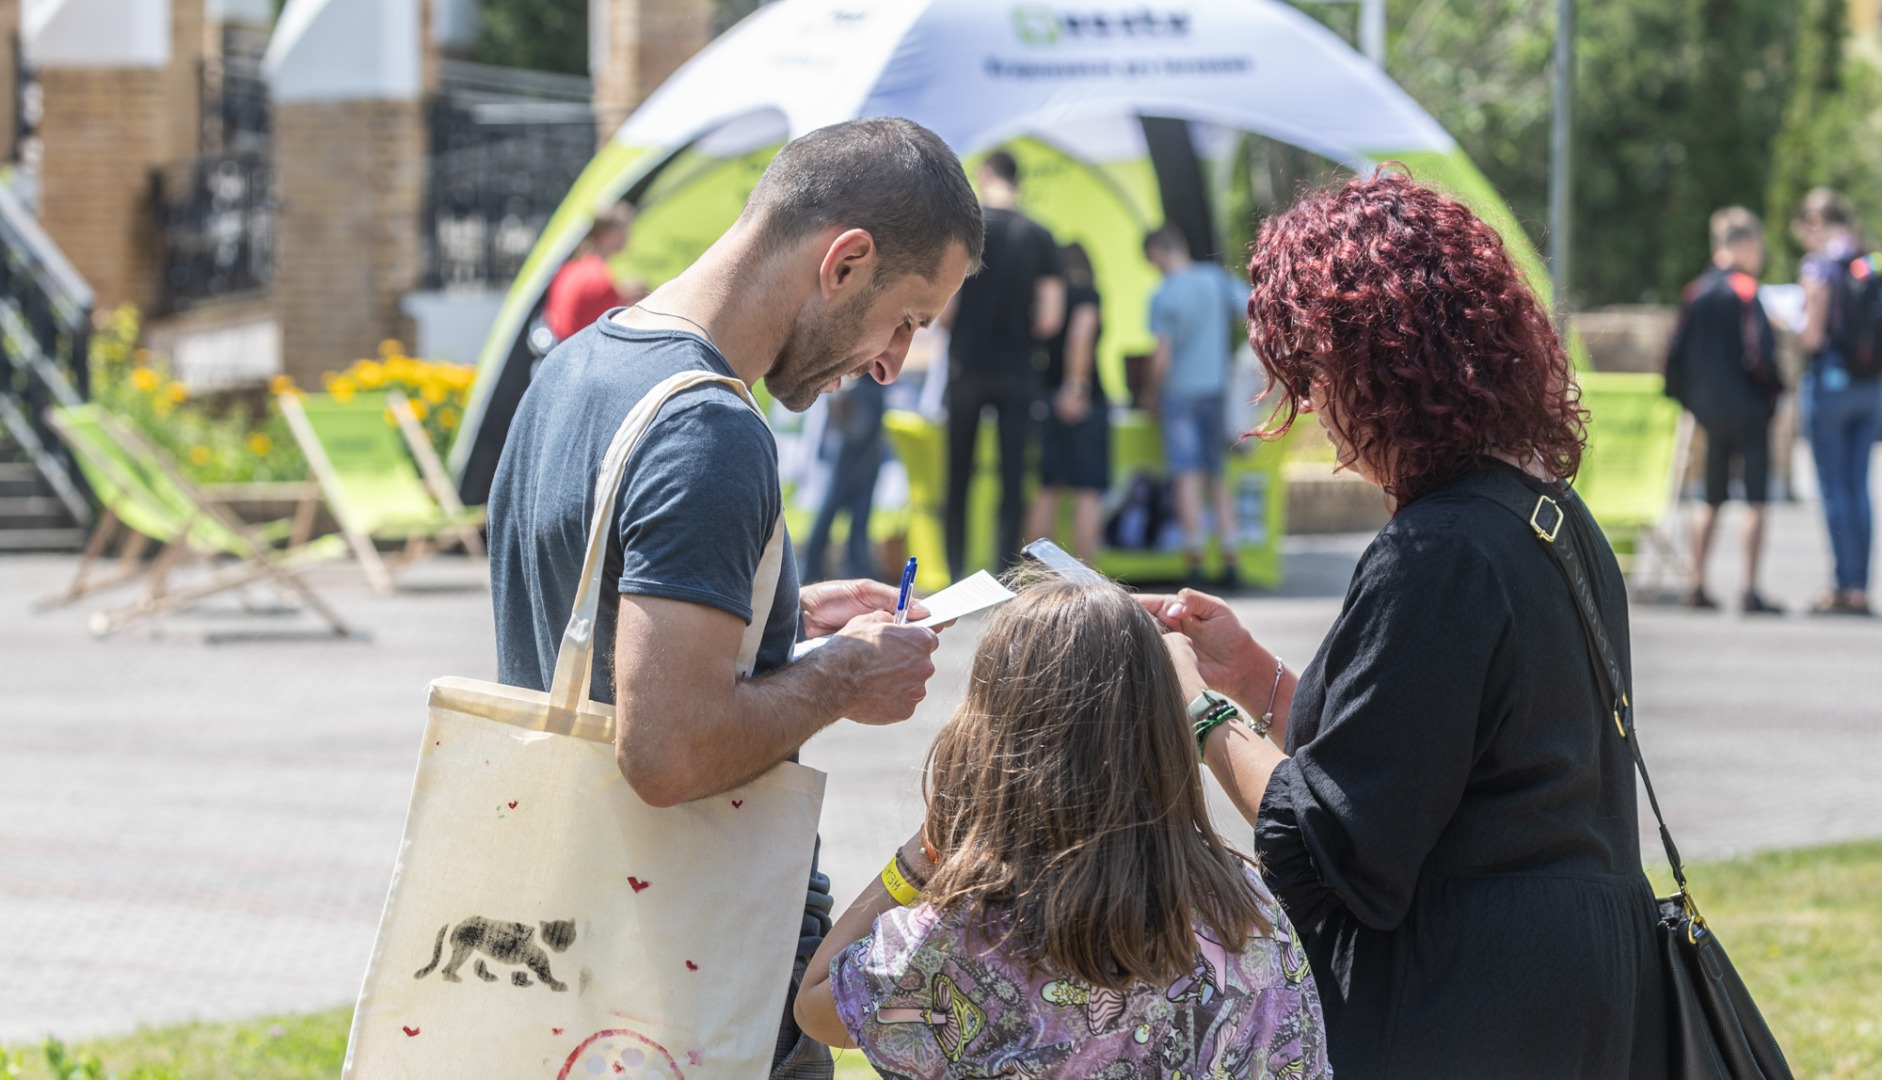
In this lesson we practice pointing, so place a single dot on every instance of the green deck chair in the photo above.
(381, 478)
(143, 491)
(1638, 444)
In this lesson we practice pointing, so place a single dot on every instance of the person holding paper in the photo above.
(855, 235)
(1452, 825)
(1067, 909)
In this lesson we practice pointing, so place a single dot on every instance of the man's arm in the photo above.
(1048, 307)
(1816, 315)
(687, 727)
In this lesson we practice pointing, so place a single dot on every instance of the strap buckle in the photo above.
(1547, 532)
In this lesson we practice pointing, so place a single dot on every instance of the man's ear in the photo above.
(850, 260)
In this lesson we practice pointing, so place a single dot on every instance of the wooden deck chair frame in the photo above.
(129, 562)
(1663, 562)
(379, 570)
(257, 564)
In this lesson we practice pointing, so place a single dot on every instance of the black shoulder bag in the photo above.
(1715, 1029)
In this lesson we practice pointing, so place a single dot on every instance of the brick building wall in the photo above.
(104, 130)
(642, 42)
(9, 74)
(351, 182)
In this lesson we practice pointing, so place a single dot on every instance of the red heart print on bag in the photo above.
(637, 883)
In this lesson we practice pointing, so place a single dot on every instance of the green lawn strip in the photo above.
(307, 1046)
(1803, 927)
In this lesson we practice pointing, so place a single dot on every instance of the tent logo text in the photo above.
(1037, 24)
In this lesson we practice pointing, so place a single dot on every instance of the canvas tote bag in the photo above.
(543, 921)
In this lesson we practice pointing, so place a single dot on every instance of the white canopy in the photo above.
(1080, 75)
(978, 72)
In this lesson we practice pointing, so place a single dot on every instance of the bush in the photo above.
(239, 437)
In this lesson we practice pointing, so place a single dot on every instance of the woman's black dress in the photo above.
(1454, 834)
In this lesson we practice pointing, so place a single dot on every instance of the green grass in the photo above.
(309, 1046)
(1803, 927)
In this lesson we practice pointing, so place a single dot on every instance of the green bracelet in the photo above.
(1209, 721)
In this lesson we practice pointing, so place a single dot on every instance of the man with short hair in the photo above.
(1722, 366)
(856, 235)
(996, 340)
(1191, 315)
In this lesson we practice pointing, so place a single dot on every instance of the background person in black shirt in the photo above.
(998, 323)
(1722, 366)
(1075, 443)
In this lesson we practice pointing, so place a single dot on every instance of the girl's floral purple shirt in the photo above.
(925, 996)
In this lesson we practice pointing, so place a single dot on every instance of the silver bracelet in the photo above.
(1266, 720)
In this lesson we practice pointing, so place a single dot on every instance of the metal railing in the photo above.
(505, 147)
(45, 342)
(215, 221)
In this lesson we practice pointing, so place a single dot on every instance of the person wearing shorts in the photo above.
(1191, 315)
(1722, 367)
(1075, 439)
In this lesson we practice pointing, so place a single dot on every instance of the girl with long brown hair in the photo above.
(1067, 909)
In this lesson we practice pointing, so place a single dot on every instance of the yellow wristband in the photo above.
(904, 893)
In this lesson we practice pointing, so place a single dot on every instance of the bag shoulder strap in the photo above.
(1547, 519)
(574, 662)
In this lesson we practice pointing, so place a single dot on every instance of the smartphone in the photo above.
(1057, 559)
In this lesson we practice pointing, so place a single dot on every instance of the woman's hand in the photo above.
(1220, 650)
(1072, 403)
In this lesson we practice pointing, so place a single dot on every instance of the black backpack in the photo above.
(1862, 316)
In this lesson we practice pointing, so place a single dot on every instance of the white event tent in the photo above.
(1114, 108)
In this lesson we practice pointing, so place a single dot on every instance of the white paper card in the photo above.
(964, 597)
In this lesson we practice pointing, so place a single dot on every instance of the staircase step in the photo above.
(16, 540)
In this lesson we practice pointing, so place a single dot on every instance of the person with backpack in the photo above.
(1722, 366)
(1842, 402)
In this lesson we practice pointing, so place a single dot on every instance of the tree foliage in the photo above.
(542, 35)
(1832, 134)
(1676, 106)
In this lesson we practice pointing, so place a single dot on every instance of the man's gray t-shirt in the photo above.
(695, 510)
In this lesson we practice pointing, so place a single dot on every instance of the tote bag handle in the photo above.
(574, 661)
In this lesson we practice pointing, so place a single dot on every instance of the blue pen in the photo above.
(908, 586)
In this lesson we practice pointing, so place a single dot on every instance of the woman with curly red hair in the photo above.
(1452, 825)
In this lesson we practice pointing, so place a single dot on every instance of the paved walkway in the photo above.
(191, 830)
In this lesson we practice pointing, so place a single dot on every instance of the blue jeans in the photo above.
(852, 483)
(1192, 434)
(1844, 422)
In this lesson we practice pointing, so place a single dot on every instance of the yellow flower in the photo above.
(179, 393)
(342, 389)
(144, 379)
(163, 405)
(369, 374)
(259, 444)
(419, 409)
(391, 347)
(447, 419)
(200, 455)
(283, 384)
(434, 392)
(328, 378)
